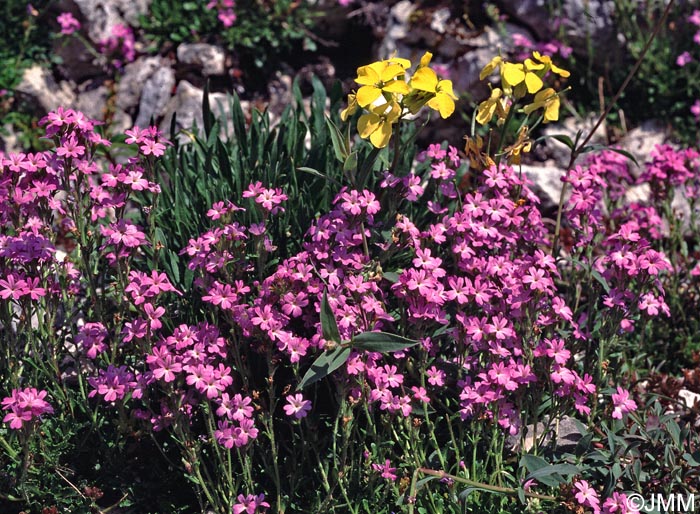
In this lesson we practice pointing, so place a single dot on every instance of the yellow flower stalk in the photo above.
(442, 97)
(495, 104)
(381, 77)
(377, 124)
(548, 99)
(514, 74)
(547, 61)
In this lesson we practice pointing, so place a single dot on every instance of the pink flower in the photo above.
(683, 59)
(297, 406)
(250, 504)
(68, 23)
(695, 110)
(386, 470)
(622, 403)
(586, 496)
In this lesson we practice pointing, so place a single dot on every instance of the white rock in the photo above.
(102, 15)
(209, 58)
(38, 83)
(155, 96)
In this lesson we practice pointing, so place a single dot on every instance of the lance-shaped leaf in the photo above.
(328, 325)
(381, 342)
(324, 365)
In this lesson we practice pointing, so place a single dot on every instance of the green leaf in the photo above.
(338, 140)
(324, 365)
(328, 325)
(564, 139)
(551, 475)
(350, 163)
(382, 342)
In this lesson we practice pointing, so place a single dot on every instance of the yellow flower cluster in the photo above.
(517, 80)
(386, 97)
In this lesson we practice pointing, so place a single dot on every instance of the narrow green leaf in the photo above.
(350, 163)
(207, 116)
(339, 148)
(382, 342)
(324, 365)
(328, 324)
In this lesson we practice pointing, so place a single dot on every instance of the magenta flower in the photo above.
(587, 496)
(695, 110)
(683, 59)
(296, 406)
(622, 403)
(68, 23)
(386, 470)
(25, 405)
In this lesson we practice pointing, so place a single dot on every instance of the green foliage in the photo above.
(661, 89)
(212, 168)
(262, 31)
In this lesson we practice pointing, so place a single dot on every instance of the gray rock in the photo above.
(641, 141)
(210, 59)
(39, 84)
(91, 100)
(546, 182)
(398, 27)
(581, 20)
(155, 95)
(136, 74)
(564, 432)
(101, 16)
(187, 103)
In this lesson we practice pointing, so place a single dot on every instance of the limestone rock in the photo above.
(102, 15)
(136, 74)
(210, 59)
(187, 103)
(39, 84)
(155, 95)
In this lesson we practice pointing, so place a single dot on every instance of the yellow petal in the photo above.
(513, 74)
(397, 86)
(425, 79)
(367, 94)
(367, 124)
(350, 109)
(368, 75)
(445, 86)
(485, 111)
(391, 72)
(492, 65)
(533, 82)
(380, 137)
(443, 104)
(560, 71)
(404, 63)
(532, 65)
(425, 60)
(551, 112)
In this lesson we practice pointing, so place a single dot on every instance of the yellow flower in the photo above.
(381, 77)
(547, 61)
(350, 109)
(377, 124)
(514, 74)
(547, 99)
(442, 97)
(492, 65)
(492, 105)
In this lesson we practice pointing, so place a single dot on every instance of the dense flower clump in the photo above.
(464, 270)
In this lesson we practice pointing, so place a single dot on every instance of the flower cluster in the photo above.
(225, 11)
(120, 46)
(68, 23)
(517, 80)
(386, 97)
(24, 405)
